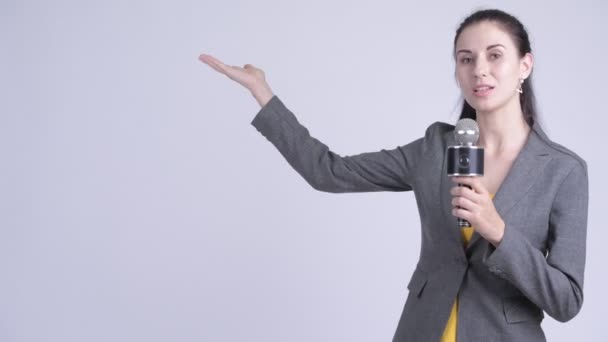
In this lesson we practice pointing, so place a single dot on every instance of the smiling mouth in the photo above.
(482, 89)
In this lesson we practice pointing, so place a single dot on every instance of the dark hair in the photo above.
(520, 37)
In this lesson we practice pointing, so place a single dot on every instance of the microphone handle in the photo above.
(462, 222)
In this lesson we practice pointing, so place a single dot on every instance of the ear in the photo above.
(526, 63)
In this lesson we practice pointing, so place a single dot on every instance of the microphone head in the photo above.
(466, 132)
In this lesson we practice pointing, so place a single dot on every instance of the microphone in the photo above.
(465, 159)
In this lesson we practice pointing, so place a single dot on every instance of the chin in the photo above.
(483, 106)
(487, 105)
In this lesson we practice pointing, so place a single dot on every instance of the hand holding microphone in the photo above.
(465, 159)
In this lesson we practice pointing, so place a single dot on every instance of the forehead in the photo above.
(481, 35)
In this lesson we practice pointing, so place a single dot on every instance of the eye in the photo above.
(465, 60)
(495, 56)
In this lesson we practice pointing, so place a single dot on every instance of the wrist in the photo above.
(500, 232)
(262, 94)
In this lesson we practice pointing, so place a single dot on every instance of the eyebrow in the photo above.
(488, 48)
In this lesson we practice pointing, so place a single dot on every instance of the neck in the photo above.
(503, 131)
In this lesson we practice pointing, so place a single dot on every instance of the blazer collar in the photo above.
(525, 170)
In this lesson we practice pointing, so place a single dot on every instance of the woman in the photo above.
(524, 253)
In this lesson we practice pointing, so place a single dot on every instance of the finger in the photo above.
(251, 67)
(216, 64)
(462, 191)
(464, 203)
(209, 59)
(478, 186)
(462, 180)
(462, 213)
(473, 182)
(229, 70)
(216, 68)
(211, 62)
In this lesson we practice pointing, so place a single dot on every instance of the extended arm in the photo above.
(324, 170)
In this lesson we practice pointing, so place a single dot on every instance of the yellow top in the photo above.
(449, 333)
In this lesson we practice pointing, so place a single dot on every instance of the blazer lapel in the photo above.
(526, 168)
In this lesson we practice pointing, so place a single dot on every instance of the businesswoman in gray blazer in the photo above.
(524, 254)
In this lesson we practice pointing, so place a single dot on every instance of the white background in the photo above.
(137, 203)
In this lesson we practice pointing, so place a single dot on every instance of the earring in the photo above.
(521, 82)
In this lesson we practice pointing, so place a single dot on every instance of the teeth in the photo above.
(483, 88)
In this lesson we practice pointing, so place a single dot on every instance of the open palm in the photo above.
(248, 76)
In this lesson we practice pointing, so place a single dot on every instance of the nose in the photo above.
(481, 67)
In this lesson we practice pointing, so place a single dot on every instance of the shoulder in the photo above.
(440, 127)
(439, 130)
(567, 155)
(435, 138)
(564, 156)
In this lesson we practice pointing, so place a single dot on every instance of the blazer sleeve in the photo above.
(554, 283)
(324, 170)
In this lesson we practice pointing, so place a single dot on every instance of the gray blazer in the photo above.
(538, 266)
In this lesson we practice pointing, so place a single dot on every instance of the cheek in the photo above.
(506, 72)
(461, 77)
